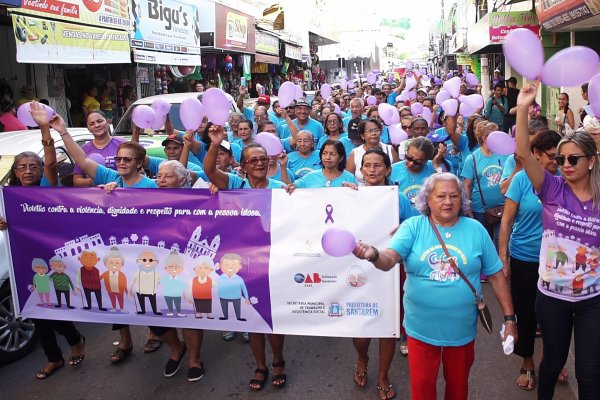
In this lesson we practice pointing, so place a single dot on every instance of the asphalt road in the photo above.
(317, 367)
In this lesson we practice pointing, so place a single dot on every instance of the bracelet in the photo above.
(49, 142)
(510, 317)
(375, 257)
(63, 134)
(510, 322)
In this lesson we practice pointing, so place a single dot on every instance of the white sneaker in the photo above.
(181, 315)
(169, 314)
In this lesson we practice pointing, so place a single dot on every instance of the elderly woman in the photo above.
(333, 128)
(305, 159)
(441, 315)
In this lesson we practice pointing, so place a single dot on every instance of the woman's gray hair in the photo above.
(38, 262)
(114, 252)
(421, 201)
(179, 170)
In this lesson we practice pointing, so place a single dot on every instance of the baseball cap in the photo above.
(353, 125)
(226, 146)
(172, 138)
(265, 99)
(302, 102)
(422, 91)
(438, 136)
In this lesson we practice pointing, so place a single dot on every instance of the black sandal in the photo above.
(120, 354)
(279, 377)
(76, 360)
(43, 374)
(259, 382)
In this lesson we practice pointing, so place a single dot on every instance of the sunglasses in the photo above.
(147, 260)
(573, 160)
(126, 159)
(550, 156)
(414, 160)
(255, 161)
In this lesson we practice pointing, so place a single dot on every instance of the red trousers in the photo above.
(424, 365)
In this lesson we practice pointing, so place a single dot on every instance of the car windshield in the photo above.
(124, 126)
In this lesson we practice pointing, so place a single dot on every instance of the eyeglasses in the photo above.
(414, 160)
(255, 161)
(573, 160)
(150, 260)
(333, 121)
(290, 108)
(25, 167)
(374, 130)
(405, 127)
(126, 159)
(551, 156)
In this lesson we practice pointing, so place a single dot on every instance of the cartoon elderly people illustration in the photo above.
(61, 281)
(88, 278)
(146, 281)
(41, 281)
(115, 281)
(173, 285)
(202, 286)
(231, 287)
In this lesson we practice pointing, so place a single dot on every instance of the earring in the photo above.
(590, 168)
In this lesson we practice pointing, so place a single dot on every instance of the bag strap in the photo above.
(477, 179)
(451, 260)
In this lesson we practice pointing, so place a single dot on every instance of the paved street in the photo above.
(318, 368)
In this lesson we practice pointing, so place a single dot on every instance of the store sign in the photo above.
(162, 58)
(53, 42)
(266, 43)
(234, 30)
(502, 23)
(104, 13)
(463, 59)
(558, 13)
(293, 52)
(166, 25)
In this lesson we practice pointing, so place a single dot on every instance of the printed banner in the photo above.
(502, 23)
(234, 30)
(43, 41)
(102, 13)
(266, 43)
(239, 260)
(166, 25)
(556, 14)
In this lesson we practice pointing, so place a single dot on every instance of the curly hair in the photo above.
(421, 201)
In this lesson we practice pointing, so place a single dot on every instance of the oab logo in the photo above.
(307, 279)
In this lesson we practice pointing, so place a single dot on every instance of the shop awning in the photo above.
(488, 34)
(267, 59)
(53, 42)
(568, 15)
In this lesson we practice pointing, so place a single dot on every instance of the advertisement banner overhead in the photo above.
(52, 42)
(247, 259)
(267, 44)
(293, 52)
(559, 13)
(103, 13)
(162, 58)
(234, 30)
(167, 22)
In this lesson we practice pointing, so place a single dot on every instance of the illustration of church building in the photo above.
(77, 246)
(197, 246)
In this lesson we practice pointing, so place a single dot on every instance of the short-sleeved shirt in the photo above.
(509, 166)
(301, 166)
(236, 182)
(439, 306)
(493, 112)
(312, 126)
(489, 171)
(317, 179)
(109, 152)
(346, 120)
(277, 175)
(570, 251)
(526, 235)
(91, 104)
(105, 175)
(410, 183)
(406, 208)
(325, 138)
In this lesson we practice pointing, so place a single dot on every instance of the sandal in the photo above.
(229, 336)
(563, 377)
(362, 377)
(526, 380)
(386, 392)
(76, 360)
(279, 380)
(120, 355)
(259, 382)
(44, 373)
(152, 345)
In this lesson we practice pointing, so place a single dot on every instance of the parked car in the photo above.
(17, 335)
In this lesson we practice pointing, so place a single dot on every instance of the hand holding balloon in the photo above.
(338, 242)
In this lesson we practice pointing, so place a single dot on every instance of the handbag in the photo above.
(482, 309)
(493, 215)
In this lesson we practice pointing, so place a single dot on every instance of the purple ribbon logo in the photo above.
(329, 211)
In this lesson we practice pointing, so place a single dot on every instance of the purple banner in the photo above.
(165, 257)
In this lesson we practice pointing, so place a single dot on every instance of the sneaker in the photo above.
(181, 315)
(196, 373)
(169, 314)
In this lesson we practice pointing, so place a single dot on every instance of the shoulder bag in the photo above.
(493, 215)
(482, 309)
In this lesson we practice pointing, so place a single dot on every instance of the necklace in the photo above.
(444, 232)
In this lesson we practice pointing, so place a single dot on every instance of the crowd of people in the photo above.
(481, 216)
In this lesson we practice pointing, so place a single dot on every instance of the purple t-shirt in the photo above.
(570, 250)
(109, 153)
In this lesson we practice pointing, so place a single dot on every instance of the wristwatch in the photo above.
(375, 257)
(511, 317)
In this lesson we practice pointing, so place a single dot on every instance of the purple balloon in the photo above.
(325, 90)
(343, 86)
(416, 109)
(299, 92)
(403, 96)
(474, 101)
(453, 86)
(409, 65)
(571, 67)
(397, 134)
(471, 79)
(287, 94)
(395, 116)
(24, 114)
(426, 114)
(467, 110)
(371, 100)
(524, 52)
(450, 107)
(411, 83)
(501, 143)
(191, 113)
(376, 72)
(594, 94)
(143, 116)
(271, 143)
(442, 96)
(371, 78)
(97, 158)
(386, 112)
(350, 84)
(338, 242)
(391, 78)
(159, 122)
(412, 95)
(161, 107)
(216, 106)
(336, 109)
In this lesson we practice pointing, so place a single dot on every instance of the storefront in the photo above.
(292, 62)
(267, 64)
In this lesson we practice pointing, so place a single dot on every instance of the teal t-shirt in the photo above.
(106, 175)
(406, 208)
(489, 171)
(526, 237)
(301, 166)
(509, 167)
(312, 126)
(439, 306)
(317, 179)
(236, 182)
(409, 183)
(277, 176)
(325, 138)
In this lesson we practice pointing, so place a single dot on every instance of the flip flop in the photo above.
(529, 383)
(120, 355)
(361, 376)
(152, 345)
(43, 374)
(386, 391)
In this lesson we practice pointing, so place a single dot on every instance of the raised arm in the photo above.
(293, 128)
(240, 100)
(88, 166)
(532, 167)
(217, 177)
(50, 167)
